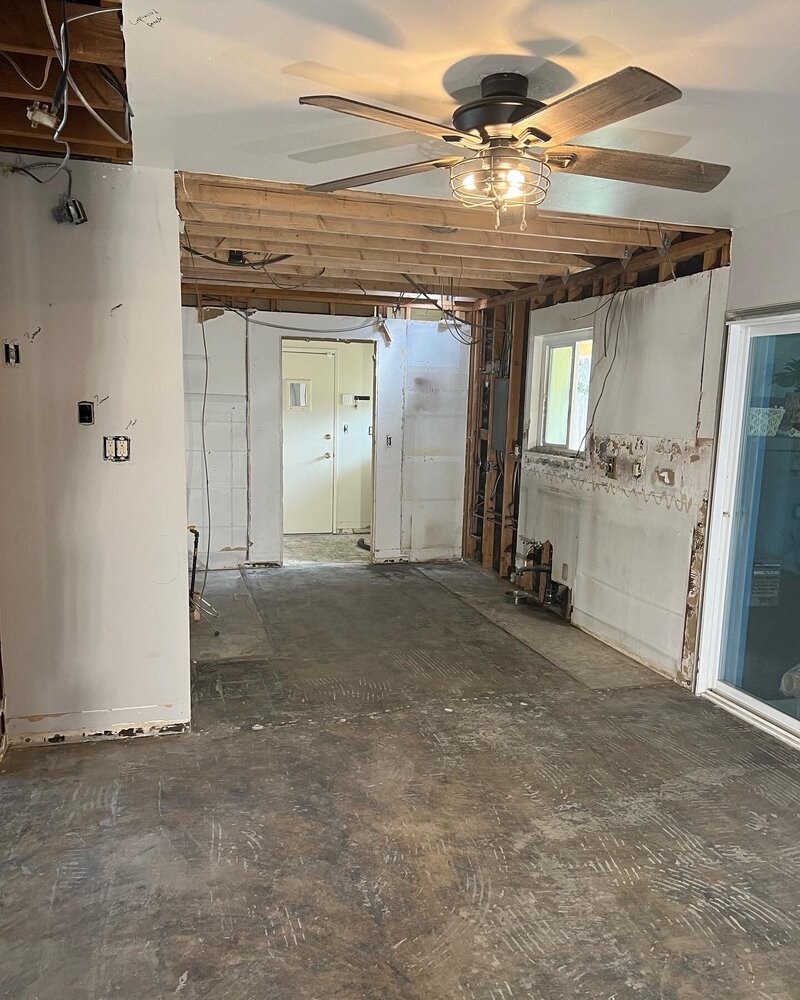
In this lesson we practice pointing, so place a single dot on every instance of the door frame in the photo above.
(316, 345)
(740, 336)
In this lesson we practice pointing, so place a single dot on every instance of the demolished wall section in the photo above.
(626, 519)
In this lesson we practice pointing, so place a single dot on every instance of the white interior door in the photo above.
(309, 398)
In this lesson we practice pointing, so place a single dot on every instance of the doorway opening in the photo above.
(328, 408)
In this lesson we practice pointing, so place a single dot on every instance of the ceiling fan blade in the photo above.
(604, 102)
(386, 175)
(639, 168)
(432, 130)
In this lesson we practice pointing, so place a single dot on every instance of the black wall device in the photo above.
(85, 412)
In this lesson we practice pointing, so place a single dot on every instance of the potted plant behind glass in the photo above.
(789, 378)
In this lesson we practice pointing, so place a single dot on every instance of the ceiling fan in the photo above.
(508, 142)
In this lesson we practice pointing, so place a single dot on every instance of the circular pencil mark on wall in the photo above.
(160, 560)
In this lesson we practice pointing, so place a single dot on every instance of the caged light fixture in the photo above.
(501, 178)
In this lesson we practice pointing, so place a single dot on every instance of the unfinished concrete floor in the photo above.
(328, 549)
(399, 800)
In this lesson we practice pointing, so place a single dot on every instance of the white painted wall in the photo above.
(421, 409)
(354, 377)
(93, 586)
(764, 263)
(624, 545)
(225, 432)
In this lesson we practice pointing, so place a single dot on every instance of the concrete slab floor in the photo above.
(402, 801)
(336, 548)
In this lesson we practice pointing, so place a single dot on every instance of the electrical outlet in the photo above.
(117, 448)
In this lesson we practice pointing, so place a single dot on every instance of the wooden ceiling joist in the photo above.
(246, 296)
(100, 94)
(284, 283)
(290, 272)
(367, 248)
(352, 242)
(250, 205)
(208, 219)
(376, 261)
(93, 42)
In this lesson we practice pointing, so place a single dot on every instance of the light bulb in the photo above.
(513, 192)
(469, 182)
(515, 177)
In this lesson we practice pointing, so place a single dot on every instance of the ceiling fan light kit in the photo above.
(511, 142)
(501, 177)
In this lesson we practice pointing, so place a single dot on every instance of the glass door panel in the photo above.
(760, 648)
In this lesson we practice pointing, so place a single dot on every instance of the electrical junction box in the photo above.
(11, 355)
(117, 449)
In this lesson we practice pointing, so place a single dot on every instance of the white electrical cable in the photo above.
(18, 68)
(78, 93)
(370, 324)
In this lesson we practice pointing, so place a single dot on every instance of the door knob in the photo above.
(327, 454)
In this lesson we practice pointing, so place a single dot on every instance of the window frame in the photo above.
(543, 345)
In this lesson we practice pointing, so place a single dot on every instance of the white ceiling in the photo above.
(215, 85)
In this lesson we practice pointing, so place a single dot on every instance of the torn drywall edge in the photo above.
(123, 732)
(688, 667)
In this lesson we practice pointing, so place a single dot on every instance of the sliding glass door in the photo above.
(750, 639)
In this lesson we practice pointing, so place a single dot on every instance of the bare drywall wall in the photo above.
(225, 435)
(764, 263)
(623, 520)
(420, 430)
(93, 585)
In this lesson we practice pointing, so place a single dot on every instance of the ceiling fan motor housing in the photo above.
(503, 101)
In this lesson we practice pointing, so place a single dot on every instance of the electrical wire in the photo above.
(590, 425)
(370, 324)
(18, 69)
(62, 53)
(28, 168)
(301, 284)
(203, 426)
(246, 262)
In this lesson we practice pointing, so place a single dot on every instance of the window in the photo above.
(298, 395)
(562, 407)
